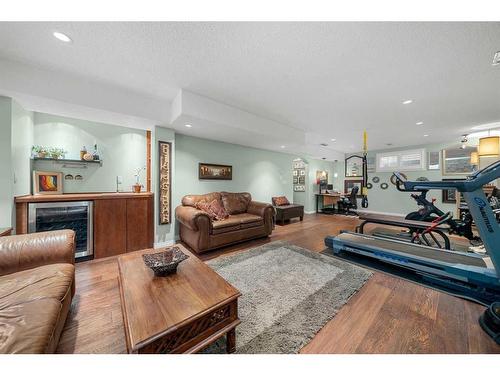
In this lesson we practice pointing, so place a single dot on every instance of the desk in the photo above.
(327, 199)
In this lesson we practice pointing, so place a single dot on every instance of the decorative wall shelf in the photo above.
(71, 162)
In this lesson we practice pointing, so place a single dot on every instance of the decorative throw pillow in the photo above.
(218, 210)
(205, 207)
(281, 201)
(214, 209)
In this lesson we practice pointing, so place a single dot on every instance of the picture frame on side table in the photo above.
(46, 183)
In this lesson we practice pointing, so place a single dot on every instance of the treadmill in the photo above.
(473, 275)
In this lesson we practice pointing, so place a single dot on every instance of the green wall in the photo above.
(6, 173)
(262, 173)
(22, 140)
(121, 149)
(395, 202)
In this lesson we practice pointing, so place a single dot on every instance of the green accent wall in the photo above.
(121, 149)
(6, 173)
(262, 173)
(395, 202)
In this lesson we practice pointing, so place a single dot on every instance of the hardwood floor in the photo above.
(388, 315)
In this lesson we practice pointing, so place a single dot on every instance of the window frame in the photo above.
(400, 154)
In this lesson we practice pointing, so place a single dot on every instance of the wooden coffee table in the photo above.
(180, 313)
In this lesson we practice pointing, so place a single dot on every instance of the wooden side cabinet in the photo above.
(122, 225)
(110, 227)
(122, 221)
(140, 221)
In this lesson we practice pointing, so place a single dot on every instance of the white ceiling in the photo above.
(328, 80)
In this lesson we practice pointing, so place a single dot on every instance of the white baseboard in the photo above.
(309, 212)
(379, 212)
(157, 245)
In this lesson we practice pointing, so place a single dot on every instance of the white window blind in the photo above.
(407, 160)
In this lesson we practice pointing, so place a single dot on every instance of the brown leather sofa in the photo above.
(37, 283)
(247, 220)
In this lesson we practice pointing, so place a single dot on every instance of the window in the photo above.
(406, 160)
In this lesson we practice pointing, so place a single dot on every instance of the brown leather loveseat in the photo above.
(37, 283)
(247, 219)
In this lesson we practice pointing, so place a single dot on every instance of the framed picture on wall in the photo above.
(433, 163)
(215, 172)
(450, 195)
(299, 188)
(370, 164)
(350, 184)
(46, 183)
(456, 160)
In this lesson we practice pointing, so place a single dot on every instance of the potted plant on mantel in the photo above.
(138, 186)
(39, 151)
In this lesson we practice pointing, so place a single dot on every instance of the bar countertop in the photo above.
(79, 197)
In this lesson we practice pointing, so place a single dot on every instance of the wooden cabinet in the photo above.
(122, 221)
(139, 224)
(122, 225)
(110, 227)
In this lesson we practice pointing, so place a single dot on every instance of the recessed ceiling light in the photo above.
(426, 135)
(323, 144)
(496, 59)
(62, 37)
(188, 126)
(282, 146)
(420, 123)
(409, 101)
(333, 139)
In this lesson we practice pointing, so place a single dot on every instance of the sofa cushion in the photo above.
(235, 203)
(214, 209)
(231, 221)
(31, 303)
(191, 200)
(280, 201)
(247, 218)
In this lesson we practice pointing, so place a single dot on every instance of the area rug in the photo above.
(288, 295)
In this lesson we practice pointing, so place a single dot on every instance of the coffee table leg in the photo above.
(231, 341)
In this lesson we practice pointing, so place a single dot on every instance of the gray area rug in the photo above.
(288, 295)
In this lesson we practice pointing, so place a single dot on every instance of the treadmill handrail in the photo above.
(474, 182)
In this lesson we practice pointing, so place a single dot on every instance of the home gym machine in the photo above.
(427, 226)
(470, 275)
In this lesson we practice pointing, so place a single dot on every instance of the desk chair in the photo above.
(349, 203)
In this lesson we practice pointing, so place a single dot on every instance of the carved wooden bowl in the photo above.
(165, 262)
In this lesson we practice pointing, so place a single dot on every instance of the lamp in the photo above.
(489, 146)
(474, 158)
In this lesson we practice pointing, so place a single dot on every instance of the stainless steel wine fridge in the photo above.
(77, 216)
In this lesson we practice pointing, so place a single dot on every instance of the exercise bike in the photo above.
(430, 213)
